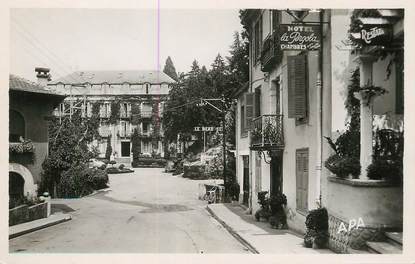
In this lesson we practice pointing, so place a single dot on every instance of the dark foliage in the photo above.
(79, 181)
(108, 150)
(317, 223)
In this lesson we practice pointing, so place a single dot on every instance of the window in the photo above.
(297, 88)
(257, 39)
(249, 110)
(61, 109)
(301, 171)
(87, 110)
(125, 110)
(243, 128)
(257, 104)
(105, 110)
(124, 129)
(17, 126)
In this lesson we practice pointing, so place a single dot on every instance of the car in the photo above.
(94, 163)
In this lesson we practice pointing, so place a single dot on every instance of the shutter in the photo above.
(297, 86)
(249, 109)
(298, 175)
(305, 180)
(302, 179)
(257, 102)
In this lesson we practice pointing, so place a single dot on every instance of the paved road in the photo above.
(147, 211)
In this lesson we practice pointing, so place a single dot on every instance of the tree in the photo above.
(68, 147)
(135, 146)
(169, 69)
(108, 150)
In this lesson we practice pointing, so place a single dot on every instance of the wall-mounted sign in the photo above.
(373, 35)
(299, 37)
(207, 129)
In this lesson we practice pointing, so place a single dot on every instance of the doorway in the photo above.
(246, 182)
(276, 174)
(125, 149)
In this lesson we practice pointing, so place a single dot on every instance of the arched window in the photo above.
(17, 126)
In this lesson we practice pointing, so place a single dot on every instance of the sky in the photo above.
(66, 40)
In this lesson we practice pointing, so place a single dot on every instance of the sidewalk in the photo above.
(259, 237)
(21, 229)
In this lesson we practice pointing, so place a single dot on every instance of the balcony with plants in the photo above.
(267, 133)
(270, 54)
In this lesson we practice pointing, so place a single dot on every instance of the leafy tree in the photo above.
(169, 69)
(68, 146)
(135, 145)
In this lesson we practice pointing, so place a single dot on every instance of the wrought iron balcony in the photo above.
(146, 114)
(270, 54)
(267, 133)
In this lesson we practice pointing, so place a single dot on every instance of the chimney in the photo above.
(43, 76)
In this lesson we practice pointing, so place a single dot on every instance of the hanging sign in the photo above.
(207, 129)
(373, 35)
(299, 37)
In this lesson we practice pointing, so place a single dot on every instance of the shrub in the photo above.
(343, 166)
(97, 179)
(234, 190)
(317, 223)
(73, 183)
(80, 181)
(382, 169)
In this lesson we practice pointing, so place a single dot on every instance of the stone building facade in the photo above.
(124, 101)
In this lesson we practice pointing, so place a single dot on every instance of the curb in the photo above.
(241, 240)
(42, 226)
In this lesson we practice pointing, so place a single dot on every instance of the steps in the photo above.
(392, 245)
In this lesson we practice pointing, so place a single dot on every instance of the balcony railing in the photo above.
(267, 132)
(270, 54)
(146, 114)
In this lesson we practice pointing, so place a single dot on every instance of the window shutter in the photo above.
(297, 86)
(249, 109)
(302, 179)
(257, 102)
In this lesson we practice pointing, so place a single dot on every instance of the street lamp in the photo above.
(204, 102)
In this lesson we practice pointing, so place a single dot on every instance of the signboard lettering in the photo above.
(207, 129)
(299, 37)
(373, 35)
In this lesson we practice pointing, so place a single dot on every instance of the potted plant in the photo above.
(317, 225)
(264, 211)
(277, 204)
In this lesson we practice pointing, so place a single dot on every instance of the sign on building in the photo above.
(299, 37)
(207, 129)
(373, 35)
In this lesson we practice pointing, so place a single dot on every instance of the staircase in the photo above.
(392, 245)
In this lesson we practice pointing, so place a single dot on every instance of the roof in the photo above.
(17, 83)
(115, 77)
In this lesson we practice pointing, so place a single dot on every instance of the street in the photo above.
(147, 211)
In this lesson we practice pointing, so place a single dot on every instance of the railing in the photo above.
(146, 114)
(104, 131)
(267, 132)
(270, 54)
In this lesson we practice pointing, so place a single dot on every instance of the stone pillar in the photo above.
(366, 113)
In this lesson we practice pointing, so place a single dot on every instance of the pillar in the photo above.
(366, 113)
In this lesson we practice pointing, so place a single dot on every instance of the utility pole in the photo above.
(224, 151)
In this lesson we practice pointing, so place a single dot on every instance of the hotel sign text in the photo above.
(299, 37)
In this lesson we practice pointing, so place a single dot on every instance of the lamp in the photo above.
(298, 14)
